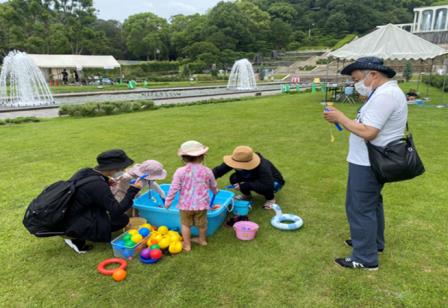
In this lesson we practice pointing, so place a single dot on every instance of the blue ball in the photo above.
(128, 253)
(120, 243)
(144, 232)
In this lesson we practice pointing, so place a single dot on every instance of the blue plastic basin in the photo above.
(150, 206)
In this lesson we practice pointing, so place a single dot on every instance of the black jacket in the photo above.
(89, 217)
(258, 179)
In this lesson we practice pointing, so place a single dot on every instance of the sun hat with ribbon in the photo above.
(192, 148)
(243, 157)
(153, 168)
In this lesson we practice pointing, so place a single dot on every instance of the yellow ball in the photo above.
(175, 247)
(173, 232)
(133, 231)
(158, 237)
(174, 237)
(148, 226)
(164, 243)
(136, 238)
(163, 230)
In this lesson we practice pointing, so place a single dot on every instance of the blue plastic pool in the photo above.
(150, 207)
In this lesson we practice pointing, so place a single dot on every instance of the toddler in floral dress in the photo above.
(193, 182)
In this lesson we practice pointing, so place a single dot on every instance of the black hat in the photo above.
(113, 159)
(369, 63)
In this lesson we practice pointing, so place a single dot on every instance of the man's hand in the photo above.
(333, 115)
(236, 186)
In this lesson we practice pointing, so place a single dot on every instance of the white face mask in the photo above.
(118, 174)
(362, 89)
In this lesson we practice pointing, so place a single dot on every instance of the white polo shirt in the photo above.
(386, 110)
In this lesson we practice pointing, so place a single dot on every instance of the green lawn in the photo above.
(151, 85)
(276, 269)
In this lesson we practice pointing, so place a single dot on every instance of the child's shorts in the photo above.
(194, 218)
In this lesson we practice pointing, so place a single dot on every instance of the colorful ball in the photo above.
(129, 244)
(175, 247)
(128, 253)
(126, 237)
(156, 254)
(163, 230)
(136, 238)
(155, 246)
(146, 253)
(164, 243)
(158, 237)
(144, 232)
(119, 275)
(147, 226)
(132, 232)
(120, 243)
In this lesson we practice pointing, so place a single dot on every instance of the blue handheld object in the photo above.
(229, 186)
(140, 178)
(212, 201)
(338, 126)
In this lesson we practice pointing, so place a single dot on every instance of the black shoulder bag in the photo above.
(397, 161)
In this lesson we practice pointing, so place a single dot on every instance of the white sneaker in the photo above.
(268, 204)
(75, 247)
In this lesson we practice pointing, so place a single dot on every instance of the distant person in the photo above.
(95, 213)
(76, 76)
(253, 173)
(193, 182)
(64, 76)
(381, 120)
(412, 95)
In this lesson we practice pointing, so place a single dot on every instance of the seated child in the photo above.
(193, 181)
(153, 168)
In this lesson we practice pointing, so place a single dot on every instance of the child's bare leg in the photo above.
(202, 239)
(186, 234)
(202, 236)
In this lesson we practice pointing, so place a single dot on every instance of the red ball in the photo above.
(156, 254)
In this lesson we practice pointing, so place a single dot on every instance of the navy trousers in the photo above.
(364, 208)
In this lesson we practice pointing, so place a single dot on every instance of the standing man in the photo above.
(380, 120)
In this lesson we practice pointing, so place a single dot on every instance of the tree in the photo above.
(280, 33)
(147, 36)
(283, 11)
(114, 42)
(186, 30)
(77, 17)
(407, 72)
(228, 27)
(196, 49)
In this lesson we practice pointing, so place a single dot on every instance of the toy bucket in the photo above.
(241, 208)
(135, 222)
(245, 230)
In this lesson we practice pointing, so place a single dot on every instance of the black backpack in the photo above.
(45, 213)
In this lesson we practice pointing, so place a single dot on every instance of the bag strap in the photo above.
(86, 180)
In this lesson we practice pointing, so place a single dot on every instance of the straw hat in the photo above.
(153, 168)
(243, 157)
(192, 148)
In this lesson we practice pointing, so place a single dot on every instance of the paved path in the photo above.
(54, 112)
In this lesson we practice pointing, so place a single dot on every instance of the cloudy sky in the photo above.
(119, 9)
